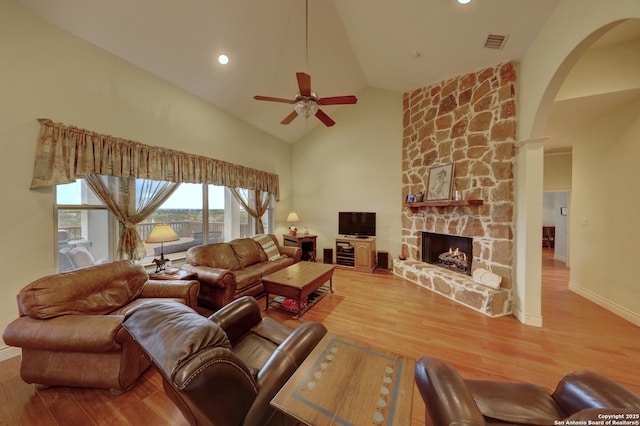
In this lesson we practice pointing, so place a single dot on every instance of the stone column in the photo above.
(527, 298)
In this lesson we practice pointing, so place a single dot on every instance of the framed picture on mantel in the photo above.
(440, 182)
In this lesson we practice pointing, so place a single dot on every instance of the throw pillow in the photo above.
(268, 246)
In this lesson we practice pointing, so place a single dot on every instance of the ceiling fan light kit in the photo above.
(306, 103)
(306, 108)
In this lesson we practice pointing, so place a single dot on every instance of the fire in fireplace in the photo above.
(449, 251)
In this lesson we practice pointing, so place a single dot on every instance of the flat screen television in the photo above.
(358, 224)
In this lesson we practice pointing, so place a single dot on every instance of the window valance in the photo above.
(65, 153)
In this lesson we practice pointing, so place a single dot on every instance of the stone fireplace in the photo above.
(451, 252)
(469, 121)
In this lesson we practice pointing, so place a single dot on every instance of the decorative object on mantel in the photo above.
(293, 217)
(440, 182)
(162, 233)
(411, 198)
(420, 197)
(487, 278)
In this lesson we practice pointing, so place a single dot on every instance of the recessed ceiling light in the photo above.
(223, 59)
(415, 54)
(464, 1)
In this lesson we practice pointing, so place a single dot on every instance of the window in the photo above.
(183, 210)
(84, 227)
(198, 214)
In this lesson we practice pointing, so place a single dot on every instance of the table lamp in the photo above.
(293, 217)
(162, 233)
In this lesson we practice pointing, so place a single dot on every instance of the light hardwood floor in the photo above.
(388, 311)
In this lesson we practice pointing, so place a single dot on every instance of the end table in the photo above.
(306, 242)
(179, 275)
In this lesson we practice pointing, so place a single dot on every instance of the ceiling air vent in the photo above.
(495, 41)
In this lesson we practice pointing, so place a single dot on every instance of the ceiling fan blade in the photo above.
(289, 118)
(338, 100)
(325, 118)
(304, 83)
(270, 99)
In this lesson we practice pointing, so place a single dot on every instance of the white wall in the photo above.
(604, 211)
(557, 172)
(47, 73)
(569, 32)
(355, 165)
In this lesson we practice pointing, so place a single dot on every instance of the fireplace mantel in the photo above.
(442, 203)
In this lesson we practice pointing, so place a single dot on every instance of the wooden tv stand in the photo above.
(356, 253)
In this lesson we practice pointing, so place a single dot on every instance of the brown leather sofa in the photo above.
(223, 370)
(578, 398)
(70, 325)
(227, 271)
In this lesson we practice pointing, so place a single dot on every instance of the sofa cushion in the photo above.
(247, 251)
(66, 333)
(216, 255)
(248, 276)
(276, 265)
(96, 290)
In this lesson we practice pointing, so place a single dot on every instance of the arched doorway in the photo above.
(543, 71)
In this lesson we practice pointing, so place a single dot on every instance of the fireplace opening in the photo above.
(448, 251)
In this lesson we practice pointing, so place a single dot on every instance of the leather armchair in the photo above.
(223, 370)
(70, 325)
(581, 396)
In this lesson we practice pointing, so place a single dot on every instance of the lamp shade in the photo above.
(161, 234)
(293, 217)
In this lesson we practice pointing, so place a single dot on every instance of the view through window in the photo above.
(87, 230)
(84, 227)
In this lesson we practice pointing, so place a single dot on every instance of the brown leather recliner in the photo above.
(223, 370)
(581, 396)
(70, 325)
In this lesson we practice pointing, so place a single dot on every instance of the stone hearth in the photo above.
(456, 286)
(469, 121)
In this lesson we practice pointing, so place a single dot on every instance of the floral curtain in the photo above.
(258, 209)
(65, 153)
(117, 193)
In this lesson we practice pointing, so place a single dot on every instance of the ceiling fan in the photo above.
(307, 103)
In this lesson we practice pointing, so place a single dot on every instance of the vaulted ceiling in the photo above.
(352, 44)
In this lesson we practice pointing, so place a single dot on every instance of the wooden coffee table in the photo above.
(346, 382)
(297, 282)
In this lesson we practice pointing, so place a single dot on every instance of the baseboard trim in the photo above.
(535, 321)
(624, 313)
(9, 352)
